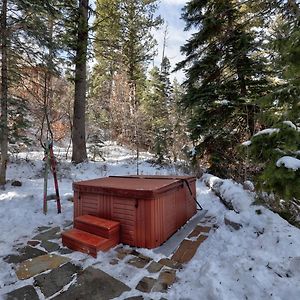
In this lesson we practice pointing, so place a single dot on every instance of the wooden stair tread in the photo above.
(84, 237)
(99, 222)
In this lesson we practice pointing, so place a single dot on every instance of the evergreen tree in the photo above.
(79, 153)
(224, 75)
(155, 107)
(123, 47)
(281, 111)
(26, 40)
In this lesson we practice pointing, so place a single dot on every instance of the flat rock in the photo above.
(186, 251)
(49, 246)
(170, 263)
(33, 243)
(139, 262)
(25, 253)
(56, 279)
(146, 284)
(51, 234)
(122, 252)
(113, 261)
(135, 298)
(43, 228)
(37, 265)
(154, 267)
(65, 251)
(165, 280)
(198, 230)
(232, 224)
(26, 292)
(94, 284)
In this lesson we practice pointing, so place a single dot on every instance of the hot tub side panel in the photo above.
(98, 205)
(125, 211)
(109, 207)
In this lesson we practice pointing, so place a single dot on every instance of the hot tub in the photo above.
(149, 208)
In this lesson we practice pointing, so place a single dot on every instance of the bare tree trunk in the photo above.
(4, 95)
(79, 153)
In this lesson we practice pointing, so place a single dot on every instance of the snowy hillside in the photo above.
(260, 260)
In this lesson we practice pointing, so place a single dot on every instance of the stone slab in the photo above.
(187, 250)
(170, 263)
(56, 279)
(51, 234)
(50, 246)
(26, 292)
(139, 262)
(25, 253)
(37, 265)
(154, 267)
(33, 243)
(94, 284)
(198, 230)
(43, 228)
(165, 280)
(65, 251)
(146, 284)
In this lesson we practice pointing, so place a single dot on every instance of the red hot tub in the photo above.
(149, 208)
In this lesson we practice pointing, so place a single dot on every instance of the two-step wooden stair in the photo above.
(92, 234)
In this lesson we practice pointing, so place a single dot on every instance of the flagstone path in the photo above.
(56, 276)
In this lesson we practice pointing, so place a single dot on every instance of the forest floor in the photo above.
(253, 254)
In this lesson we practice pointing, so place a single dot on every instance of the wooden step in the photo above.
(102, 227)
(82, 241)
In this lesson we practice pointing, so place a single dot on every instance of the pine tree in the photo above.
(123, 47)
(281, 111)
(224, 75)
(155, 107)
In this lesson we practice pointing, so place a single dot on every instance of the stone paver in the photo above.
(154, 267)
(56, 279)
(33, 243)
(51, 234)
(170, 263)
(65, 251)
(37, 265)
(25, 253)
(114, 261)
(187, 250)
(146, 284)
(198, 230)
(43, 228)
(24, 293)
(165, 280)
(139, 262)
(50, 246)
(94, 284)
(232, 224)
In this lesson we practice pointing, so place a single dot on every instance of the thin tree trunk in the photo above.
(79, 153)
(4, 95)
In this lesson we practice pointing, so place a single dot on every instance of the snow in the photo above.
(232, 192)
(289, 162)
(259, 261)
(290, 124)
(247, 143)
(267, 131)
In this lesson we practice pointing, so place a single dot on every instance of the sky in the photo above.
(170, 11)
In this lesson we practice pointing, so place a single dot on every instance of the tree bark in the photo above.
(79, 153)
(4, 95)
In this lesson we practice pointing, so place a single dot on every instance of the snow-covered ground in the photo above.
(259, 261)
